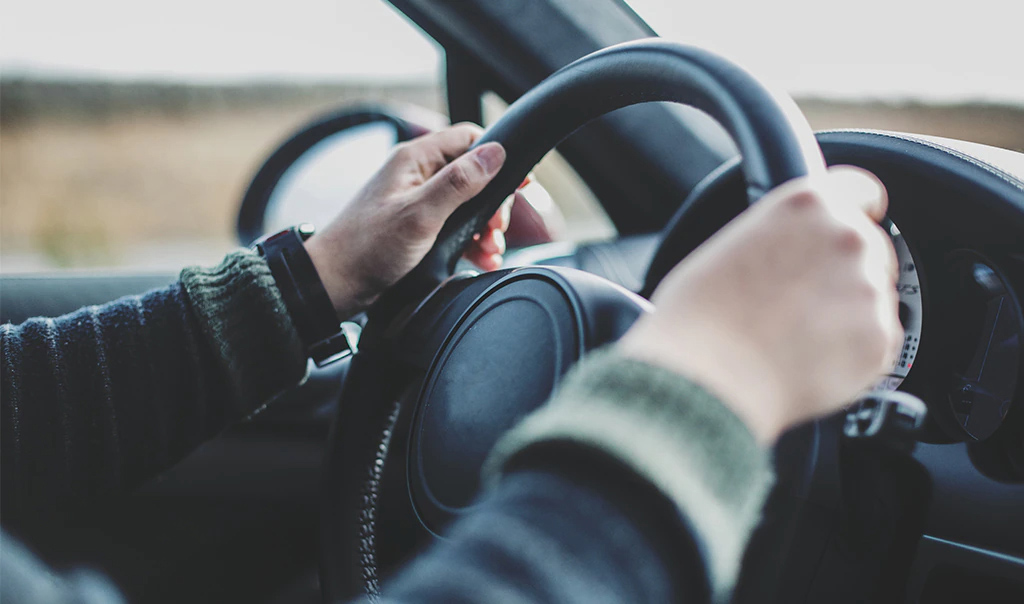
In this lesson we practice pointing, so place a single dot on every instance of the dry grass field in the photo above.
(97, 176)
(101, 175)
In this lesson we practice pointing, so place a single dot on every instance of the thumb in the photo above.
(462, 179)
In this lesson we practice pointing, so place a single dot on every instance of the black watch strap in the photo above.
(304, 294)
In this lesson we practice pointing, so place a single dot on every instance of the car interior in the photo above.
(334, 486)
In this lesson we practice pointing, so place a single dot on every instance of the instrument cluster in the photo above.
(964, 314)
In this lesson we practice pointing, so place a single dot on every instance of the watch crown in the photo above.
(305, 230)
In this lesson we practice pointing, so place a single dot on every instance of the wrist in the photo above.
(720, 362)
(305, 297)
(348, 296)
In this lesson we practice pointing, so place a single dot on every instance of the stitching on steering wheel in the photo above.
(984, 165)
(368, 510)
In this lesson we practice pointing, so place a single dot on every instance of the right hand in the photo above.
(391, 224)
(788, 312)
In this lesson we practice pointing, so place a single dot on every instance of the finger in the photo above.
(881, 263)
(486, 249)
(487, 262)
(491, 242)
(896, 340)
(503, 216)
(852, 185)
(463, 178)
(893, 259)
(882, 256)
(890, 314)
(440, 148)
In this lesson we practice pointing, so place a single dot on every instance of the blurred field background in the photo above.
(108, 174)
(136, 175)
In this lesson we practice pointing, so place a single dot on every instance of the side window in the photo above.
(129, 132)
(585, 218)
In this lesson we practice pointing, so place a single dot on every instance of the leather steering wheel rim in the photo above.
(774, 139)
(776, 144)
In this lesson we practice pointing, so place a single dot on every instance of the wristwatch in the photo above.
(304, 295)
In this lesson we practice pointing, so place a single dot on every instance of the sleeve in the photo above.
(671, 432)
(580, 531)
(633, 484)
(104, 398)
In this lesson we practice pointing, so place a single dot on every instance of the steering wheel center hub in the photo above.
(501, 361)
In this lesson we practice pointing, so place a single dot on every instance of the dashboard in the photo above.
(982, 336)
(959, 208)
(957, 224)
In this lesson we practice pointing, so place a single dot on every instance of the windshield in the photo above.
(893, 50)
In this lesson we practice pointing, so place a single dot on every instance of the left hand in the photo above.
(392, 223)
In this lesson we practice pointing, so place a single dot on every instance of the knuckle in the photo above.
(879, 237)
(805, 200)
(880, 337)
(401, 151)
(457, 177)
(876, 340)
(469, 127)
(883, 346)
(896, 334)
(868, 292)
(850, 239)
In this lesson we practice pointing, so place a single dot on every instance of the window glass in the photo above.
(129, 130)
(909, 49)
(313, 189)
(909, 65)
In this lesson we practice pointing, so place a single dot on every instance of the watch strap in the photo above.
(304, 294)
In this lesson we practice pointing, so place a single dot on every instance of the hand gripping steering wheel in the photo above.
(448, 363)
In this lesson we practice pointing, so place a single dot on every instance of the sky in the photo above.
(935, 50)
(213, 40)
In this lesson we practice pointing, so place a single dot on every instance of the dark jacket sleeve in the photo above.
(679, 437)
(583, 531)
(633, 485)
(106, 397)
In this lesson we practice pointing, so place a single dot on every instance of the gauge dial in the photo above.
(911, 313)
(985, 350)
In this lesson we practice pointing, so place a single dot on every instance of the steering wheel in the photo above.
(447, 363)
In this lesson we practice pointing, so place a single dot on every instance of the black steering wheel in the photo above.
(447, 363)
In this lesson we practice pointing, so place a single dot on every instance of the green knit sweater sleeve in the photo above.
(243, 319)
(671, 432)
(106, 397)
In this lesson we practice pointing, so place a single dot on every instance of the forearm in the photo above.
(671, 432)
(632, 485)
(103, 398)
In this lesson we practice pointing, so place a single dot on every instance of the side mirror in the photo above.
(325, 163)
